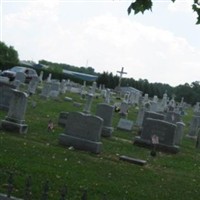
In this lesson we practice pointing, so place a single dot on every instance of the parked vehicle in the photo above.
(11, 73)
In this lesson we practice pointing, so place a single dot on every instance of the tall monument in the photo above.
(118, 88)
(120, 77)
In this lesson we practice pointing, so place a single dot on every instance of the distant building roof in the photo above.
(26, 63)
(82, 76)
(130, 89)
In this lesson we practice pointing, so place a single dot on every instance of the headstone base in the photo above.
(125, 124)
(62, 119)
(160, 147)
(79, 143)
(4, 197)
(194, 137)
(107, 131)
(14, 127)
(133, 160)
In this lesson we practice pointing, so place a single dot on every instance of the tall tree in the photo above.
(8, 56)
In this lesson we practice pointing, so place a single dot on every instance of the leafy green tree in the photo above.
(143, 5)
(185, 91)
(8, 56)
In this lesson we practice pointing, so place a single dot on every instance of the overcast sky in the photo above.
(160, 46)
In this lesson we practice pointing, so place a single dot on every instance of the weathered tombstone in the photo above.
(105, 111)
(146, 98)
(82, 131)
(125, 124)
(124, 109)
(106, 95)
(17, 84)
(142, 109)
(165, 131)
(77, 104)
(41, 76)
(163, 104)
(194, 126)
(4, 79)
(173, 117)
(49, 78)
(87, 107)
(69, 99)
(62, 119)
(198, 139)
(46, 90)
(127, 97)
(68, 85)
(5, 95)
(132, 98)
(93, 89)
(179, 133)
(20, 76)
(154, 104)
(14, 120)
(32, 86)
(55, 89)
(172, 104)
(63, 86)
(103, 94)
(153, 115)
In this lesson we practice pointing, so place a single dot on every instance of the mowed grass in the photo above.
(39, 155)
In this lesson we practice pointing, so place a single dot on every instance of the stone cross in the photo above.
(121, 73)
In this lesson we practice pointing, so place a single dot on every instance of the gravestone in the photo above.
(17, 84)
(127, 97)
(154, 104)
(77, 104)
(142, 109)
(41, 76)
(49, 78)
(82, 131)
(93, 89)
(106, 111)
(55, 88)
(165, 131)
(125, 124)
(46, 90)
(198, 139)
(14, 120)
(5, 95)
(194, 126)
(153, 115)
(173, 117)
(63, 86)
(32, 86)
(62, 119)
(124, 109)
(146, 98)
(68, 99)
(179, 133)
(163, 104)
(106, 95)
(20, 76)
(88, 103)
(4, 79)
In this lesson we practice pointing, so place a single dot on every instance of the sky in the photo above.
(162, 46)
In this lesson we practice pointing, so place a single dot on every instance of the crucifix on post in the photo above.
(120, 77)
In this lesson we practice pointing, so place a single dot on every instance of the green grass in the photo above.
(38, 154)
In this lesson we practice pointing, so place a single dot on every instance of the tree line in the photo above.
(190, 92)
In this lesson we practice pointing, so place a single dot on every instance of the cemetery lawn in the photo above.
(39, 155)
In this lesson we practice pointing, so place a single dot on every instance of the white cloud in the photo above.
(181, 6)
